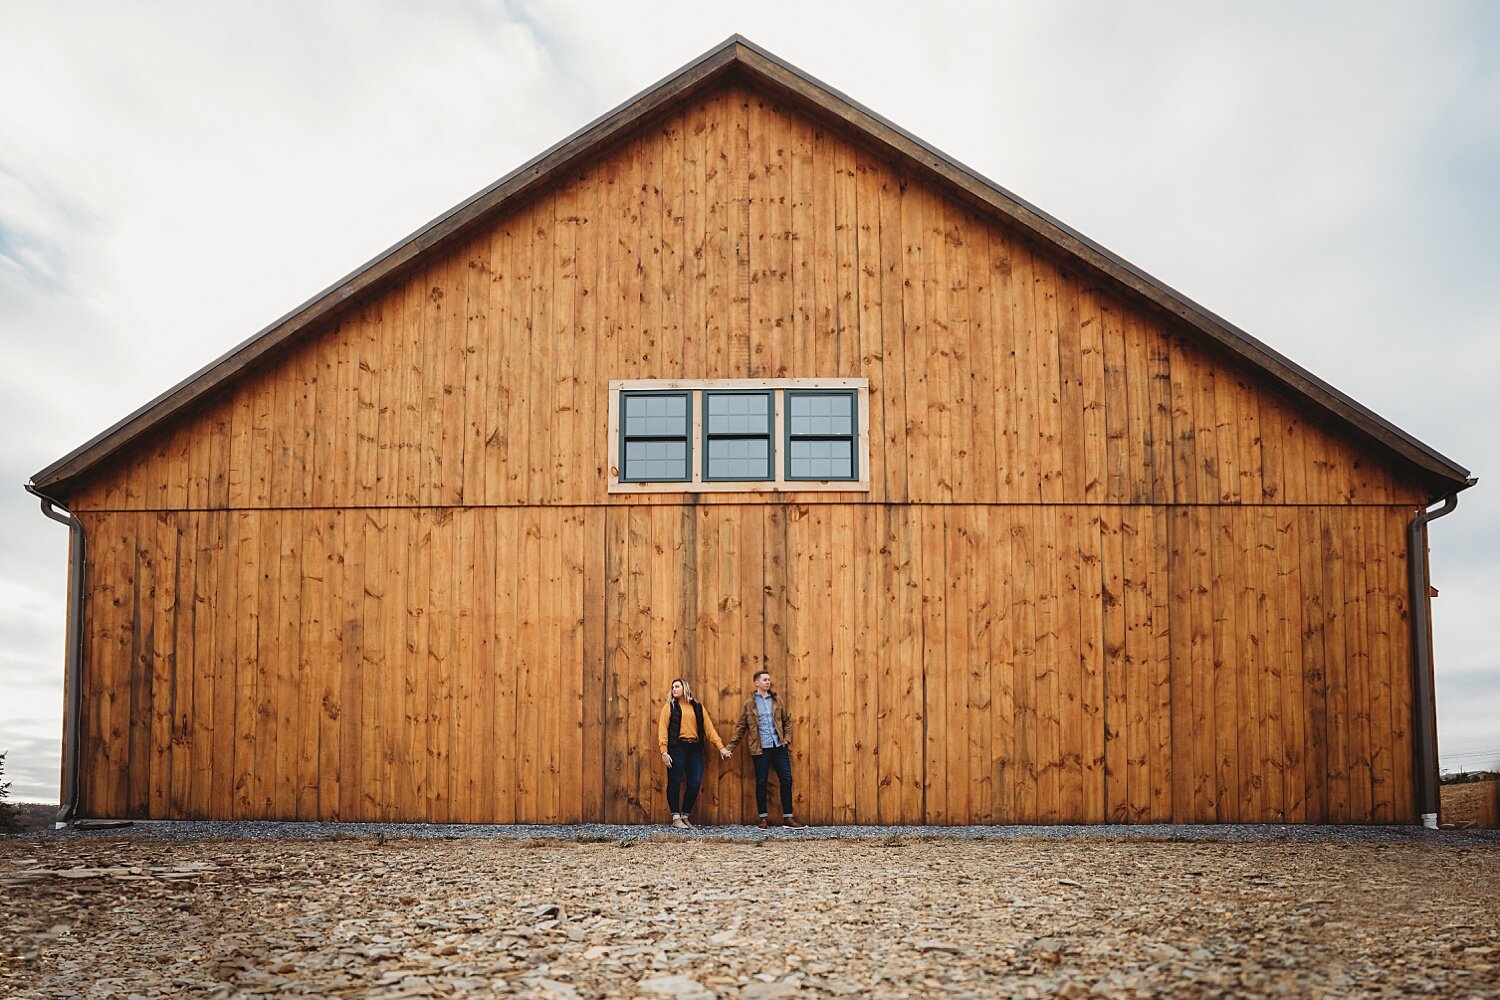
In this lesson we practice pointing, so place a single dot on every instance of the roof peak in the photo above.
(768, 71)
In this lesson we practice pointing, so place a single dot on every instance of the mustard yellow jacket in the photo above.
(689, 726)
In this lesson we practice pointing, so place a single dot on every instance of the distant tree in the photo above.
(9, 818)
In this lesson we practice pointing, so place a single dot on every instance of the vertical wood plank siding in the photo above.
(1100, 575)
(1015, 680)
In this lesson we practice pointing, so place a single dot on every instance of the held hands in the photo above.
(724, 752)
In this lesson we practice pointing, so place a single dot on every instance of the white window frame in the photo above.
(778, 484)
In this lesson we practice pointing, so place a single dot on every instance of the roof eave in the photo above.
(391, 263)
(1438, 472)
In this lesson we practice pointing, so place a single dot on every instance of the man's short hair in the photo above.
(757, 675)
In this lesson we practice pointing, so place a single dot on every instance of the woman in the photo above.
(681, 733)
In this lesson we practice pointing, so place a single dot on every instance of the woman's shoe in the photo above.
(690, 824)
(679, 823)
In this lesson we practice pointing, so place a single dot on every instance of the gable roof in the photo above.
(741, 58)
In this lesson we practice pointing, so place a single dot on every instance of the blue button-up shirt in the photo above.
(764, 704)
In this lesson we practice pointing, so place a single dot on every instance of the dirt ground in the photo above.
(781, 918)
(1477, 803)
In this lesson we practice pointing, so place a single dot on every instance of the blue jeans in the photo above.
(687, 762)
(781, 759)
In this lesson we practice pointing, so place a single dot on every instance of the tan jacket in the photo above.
(781, 721)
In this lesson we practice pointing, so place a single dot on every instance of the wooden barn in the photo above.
(742, 375)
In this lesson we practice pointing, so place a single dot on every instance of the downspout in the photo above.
(73, 705)
(1421, 656)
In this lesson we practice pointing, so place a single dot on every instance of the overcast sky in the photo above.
(174, 176)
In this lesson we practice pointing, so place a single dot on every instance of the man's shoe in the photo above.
(761, 823)
(679, 823)
(792, 824)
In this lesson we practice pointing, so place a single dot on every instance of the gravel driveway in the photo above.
(730, 913)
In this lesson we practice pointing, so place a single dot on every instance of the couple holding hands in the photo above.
(686, 725)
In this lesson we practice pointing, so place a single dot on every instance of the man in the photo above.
(765, 717)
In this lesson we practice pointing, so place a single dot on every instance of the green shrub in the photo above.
(9, 818)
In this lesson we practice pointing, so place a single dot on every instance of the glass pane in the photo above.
(822, 459)
(655, 461)
(655, 416)
(736, 413)
(820, 414)
(741, 459)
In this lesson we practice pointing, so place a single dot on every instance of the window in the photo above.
(753, 435)
(820, 434)
(656, 444)
(737, 429)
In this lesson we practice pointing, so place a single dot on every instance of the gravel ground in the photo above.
(364, 910)
(258, 830)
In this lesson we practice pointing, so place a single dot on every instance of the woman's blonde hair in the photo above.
(687, 689)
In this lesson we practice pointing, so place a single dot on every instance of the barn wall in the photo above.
(1100, 575)
(946, 663)
(736, 239)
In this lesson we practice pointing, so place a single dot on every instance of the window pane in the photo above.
(822, 459)
(738, 413)
(656, 416)
(739, 459)
(820, 414)
(653, 461)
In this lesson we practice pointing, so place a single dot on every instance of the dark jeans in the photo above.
(781, 759)
(687, 762)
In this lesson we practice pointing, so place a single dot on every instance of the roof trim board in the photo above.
(738, 55)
